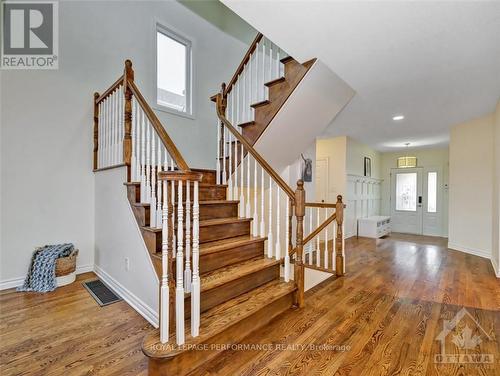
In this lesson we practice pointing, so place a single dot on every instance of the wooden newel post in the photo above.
(339, 241)
(128, 76)
(300, 211)
(96, 131)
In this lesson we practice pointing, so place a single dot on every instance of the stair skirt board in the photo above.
(102, 294)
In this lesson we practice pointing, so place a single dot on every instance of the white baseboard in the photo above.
(495, 268)
(472, 251)
(137, 304)
(16, 282)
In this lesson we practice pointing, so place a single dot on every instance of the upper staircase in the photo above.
(221, 240)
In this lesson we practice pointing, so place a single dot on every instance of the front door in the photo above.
(406, 200)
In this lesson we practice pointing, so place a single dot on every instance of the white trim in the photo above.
(495, 268)
(137, 304)
(472, 251)
(16, 282)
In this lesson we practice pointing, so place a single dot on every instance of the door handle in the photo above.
(420, 199)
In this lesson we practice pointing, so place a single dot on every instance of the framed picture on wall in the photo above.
(368, 167)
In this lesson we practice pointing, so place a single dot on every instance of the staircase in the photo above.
(220, 240)
(241, 290)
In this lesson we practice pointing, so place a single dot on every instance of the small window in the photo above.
(173, 71)
(432, 192)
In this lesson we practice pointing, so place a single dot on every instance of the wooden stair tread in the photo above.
(206, 202)
(261, 103)
(130, 183)
(246, 124)
(275, 81)
(223, 244)
(219, 318)
(232, 272)
(286, 59)
(207, 222)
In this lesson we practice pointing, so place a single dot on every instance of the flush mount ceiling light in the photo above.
(398, 117)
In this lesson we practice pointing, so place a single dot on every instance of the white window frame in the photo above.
(175, 35)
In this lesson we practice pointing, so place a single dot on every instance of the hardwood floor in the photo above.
(386, 313)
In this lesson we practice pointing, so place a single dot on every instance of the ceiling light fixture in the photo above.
(398, 117)
(407, 161)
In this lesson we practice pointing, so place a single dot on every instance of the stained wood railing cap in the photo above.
(180, 175)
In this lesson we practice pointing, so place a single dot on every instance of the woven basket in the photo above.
(66, 265)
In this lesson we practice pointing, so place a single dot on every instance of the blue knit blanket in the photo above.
(41, 275)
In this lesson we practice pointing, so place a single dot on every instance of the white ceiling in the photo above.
(438, 63)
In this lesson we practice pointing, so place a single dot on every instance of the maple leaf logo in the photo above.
(465, 340)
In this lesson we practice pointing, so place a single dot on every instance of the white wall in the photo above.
(356, 153)
(47, 184)
(118, 237)
(428, 159)
(335, 151)
(495, 256)
(471, 186)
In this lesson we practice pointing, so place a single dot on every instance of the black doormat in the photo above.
(101, 293)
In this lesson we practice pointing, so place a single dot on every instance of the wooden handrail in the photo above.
(281, 183)
(320, 205)
(313, 234)
(155, 122)
(112, 88)
(245, 59)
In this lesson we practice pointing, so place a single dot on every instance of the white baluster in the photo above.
(143, 159)
(111, 128)
(278, 62)
(164, 295)
(230, 172)
(152, 201)
(242, 197)
(99, 137)
(174, 240)
(121, 128)
(334, 242)
(326, 240)
(224, 171)
(287, 244)
(255, 222)
(117, 127)
(250, 87)
(195, 284)
(270, 61)
(318, 250)
(179, 290)
(104, 132)
(248, 211)
(263, 74)
(270, 244)
(148, 163)
(311, 244)
(343, 247)
(137, 143)
(238, 106)
(133, 160)
(262, 198)
(158, 195)
(235, 170)
(243, 99)
(218, 153)
(278, 240)
(187, 270)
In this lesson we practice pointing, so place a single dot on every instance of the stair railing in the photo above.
(324, 249)
(128, 133)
